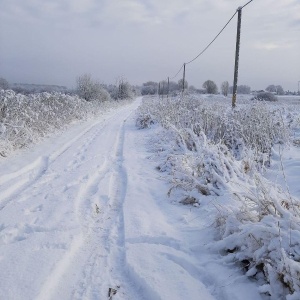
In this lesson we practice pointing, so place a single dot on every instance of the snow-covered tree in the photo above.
(225, 88)
(277, 89)
(271, 88)
(180, 84)
(123, 89)
(91, 90)
(163, 85)
(210, 87)
(149, 88)
(85, 87)
(173, 86)
(192, 89)
(4, 85)
(241, 89)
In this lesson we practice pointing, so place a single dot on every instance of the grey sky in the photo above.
(54, 41)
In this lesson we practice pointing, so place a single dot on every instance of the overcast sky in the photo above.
(54, 41)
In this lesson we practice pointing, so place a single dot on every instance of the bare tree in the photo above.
(225, 88)
(4, 84)
(210, 87)
(163, 87)
(180, 84)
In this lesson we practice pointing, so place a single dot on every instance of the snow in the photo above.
(86, 214)
(206, 150)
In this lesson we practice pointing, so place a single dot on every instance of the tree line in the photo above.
(208, 87)
(86, 87)
(90, 89)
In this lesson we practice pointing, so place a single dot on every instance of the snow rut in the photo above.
(18, 182)
(92, 268)
(62, 217)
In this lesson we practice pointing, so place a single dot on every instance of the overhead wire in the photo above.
(241, 7)
(246, 4)
(212, 40)
(177, 73)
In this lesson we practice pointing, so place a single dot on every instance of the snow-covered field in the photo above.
(242, 166)
(95, 212)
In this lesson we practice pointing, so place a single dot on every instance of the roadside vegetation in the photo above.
(206, 149)
(26, 119)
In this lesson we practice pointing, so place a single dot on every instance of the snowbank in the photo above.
(206, 148)
(28, 119)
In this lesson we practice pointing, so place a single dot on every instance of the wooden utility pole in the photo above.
(183, 85)
(168, 87)
(237, 54)
(159, 90)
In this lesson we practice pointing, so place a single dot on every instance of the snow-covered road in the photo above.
(85, 216)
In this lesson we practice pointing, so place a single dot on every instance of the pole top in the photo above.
(239, 8)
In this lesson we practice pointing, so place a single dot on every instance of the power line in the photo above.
(246, 4)
(212, 40)
(177, 72)
(241, 7)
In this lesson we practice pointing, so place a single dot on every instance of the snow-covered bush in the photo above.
(207, 149)
(198, 166)
(144, 119)
(262, 231)
(91, 90)
(122, 90)
(253, 126)
(27, 119)
(265, 96)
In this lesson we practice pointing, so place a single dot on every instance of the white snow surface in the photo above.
(85, 215)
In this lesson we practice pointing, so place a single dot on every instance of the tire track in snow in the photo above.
(96, 257)
(85, 192)
(107, 252)
(16, 183)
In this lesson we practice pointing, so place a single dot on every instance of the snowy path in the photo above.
(85, 215)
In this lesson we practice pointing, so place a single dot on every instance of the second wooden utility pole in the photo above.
(237, 54)
(183, 80)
